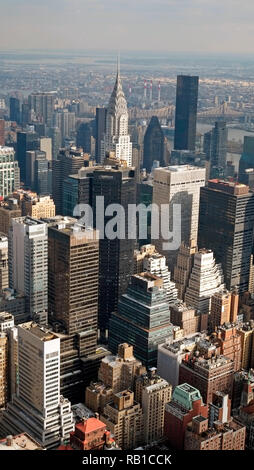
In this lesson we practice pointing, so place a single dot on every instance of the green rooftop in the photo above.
(185, 395)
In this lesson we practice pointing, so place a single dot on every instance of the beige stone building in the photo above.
(153, 393)
(39, 207)
(185, 317)
(139, 257)
(118, 372)
(182, 271)
(124, 419)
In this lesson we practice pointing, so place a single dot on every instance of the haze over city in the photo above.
(213, 26)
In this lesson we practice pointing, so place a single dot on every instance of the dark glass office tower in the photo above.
(25, 114)
(145, 196)
(42, 176)
(77, 189)
(247, 158)
(85, 133)
(55, 135)
(142, 318)
(101, 114)
(226, 220)
(68, 163)
(215, 148)
(118, 186)
(25, 141)
(15, 109)
(186, 112)
(153, 144)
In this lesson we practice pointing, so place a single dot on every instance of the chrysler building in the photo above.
(116, 137)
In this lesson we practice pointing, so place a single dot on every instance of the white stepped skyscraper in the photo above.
(116, 138)
(205, 280)
(156, 264)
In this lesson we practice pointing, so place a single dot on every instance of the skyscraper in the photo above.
(215, 147)
(186, 112)
(65, 121)
(85, 133)
(77, 189)
(9, 172)
(25, 141)
(220, 309)
(156, 264)
(124, 418)
(38, 408)
(178, 185)
(28, 264)
(247, 158)
(185, 259)
(154, 392)
(42, 175)
(31, 157)
(118, 186)
(205, 280)
(46, 146)
(142, 318)
(55, 135)
(153, 144)
(43, 106)
(116, 138)
(68, 163)
(73, 296)
(226, 227)
(101, 114)
(14, 109)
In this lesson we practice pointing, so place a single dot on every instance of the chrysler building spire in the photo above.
(116, 138)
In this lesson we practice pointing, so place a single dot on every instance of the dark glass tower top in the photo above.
(186, 112)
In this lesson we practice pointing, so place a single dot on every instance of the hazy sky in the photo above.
(166, 25)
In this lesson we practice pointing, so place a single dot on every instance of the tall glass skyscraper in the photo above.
(226, 221)
(186, 112)
(153, 144)
(142, 318)
(215, 148)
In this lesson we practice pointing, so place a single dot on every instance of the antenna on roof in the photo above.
(118, 63)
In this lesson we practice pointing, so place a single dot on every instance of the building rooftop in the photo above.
(26, 220)
(20, 442)
(90, 425)
(183, 344)
(230, 187)
(211, 363)
(184, 395)
(5, 150)
(179, 168)
(40, 332)
(6, 316)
